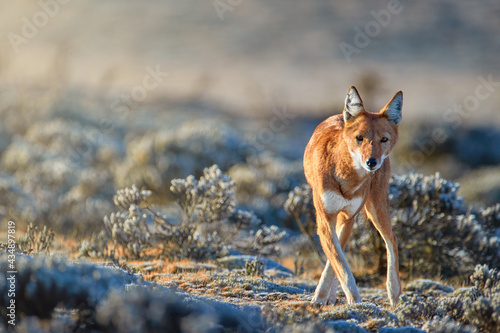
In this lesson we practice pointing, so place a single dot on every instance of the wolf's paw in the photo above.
(324, 300)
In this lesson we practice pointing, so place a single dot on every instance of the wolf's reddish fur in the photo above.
(346, 164)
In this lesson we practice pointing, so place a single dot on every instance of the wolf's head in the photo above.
(370, 137)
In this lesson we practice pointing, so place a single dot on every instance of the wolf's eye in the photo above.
(384, 139)
(359, 138)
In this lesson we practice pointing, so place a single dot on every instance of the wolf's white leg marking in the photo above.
(332, 295)
(326, 283)
(347, 281)
(393, 285)
(333, 203)
(385, 230)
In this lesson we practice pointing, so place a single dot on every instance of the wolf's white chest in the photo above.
(333, 202)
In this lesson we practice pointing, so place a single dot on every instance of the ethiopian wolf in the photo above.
(346, 163)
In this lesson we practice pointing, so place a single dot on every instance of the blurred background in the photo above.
(98, 95)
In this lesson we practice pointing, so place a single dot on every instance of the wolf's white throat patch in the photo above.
(334, 203)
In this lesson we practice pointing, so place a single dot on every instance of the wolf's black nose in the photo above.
(371, 162)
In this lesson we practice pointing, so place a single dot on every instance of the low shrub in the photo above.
(36, 240)
(472, 310)
(209, 210)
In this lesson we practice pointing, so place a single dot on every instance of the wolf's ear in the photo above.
(393, 109)
(353, 105)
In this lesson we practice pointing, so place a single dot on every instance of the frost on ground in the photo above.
(173, 239)
(56, 294)
(214, 268)
(78, 296)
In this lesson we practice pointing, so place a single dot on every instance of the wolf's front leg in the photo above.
(334, 252)
(378, 212)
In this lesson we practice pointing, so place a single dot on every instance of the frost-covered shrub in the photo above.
(486, 280)
(469, 310)
(447, 325)
(128, 227)
(183, 242)
(209, 201)
(244, 218)
(484, 313)
(155, 159)
(429, 287)
(209, 211)
(110, 300)
(59, 166)
(264, 239)
(263, 183)
(337, 326)
(254, 268)
(97, 247)
(36, 240)
(435, 313)
(491, 219)
(417, 308)
(442, 245)
(156, 310)
(128, 197)
(362, 312)
(436, 234)
(300, 205)
(482, 308)
(360, 317)
(430, 192)
(42, 283)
